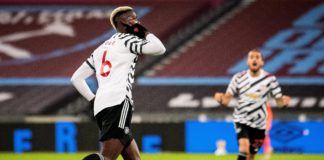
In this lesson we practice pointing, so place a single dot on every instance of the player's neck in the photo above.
(255, 73)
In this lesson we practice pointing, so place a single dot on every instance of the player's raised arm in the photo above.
(154, 46)
(151, 45)
(144, 42)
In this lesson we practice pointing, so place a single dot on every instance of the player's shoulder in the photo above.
(124, 36)
(116, 41)
(100, 49)
(269, 75)
(241, 74)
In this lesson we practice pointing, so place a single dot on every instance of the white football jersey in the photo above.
(113, 63)
(253, 94)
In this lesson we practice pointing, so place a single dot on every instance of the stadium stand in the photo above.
(41, 45)
(228, 40)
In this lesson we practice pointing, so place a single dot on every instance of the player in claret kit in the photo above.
(267, 149)
(253, 87)
(113, 64)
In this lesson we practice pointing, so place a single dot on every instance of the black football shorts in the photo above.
(114, 122)
(256, 136)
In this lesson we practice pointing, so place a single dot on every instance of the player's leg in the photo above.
(111, 148)
(124, 139)
(112, 130)
(256, 137)
(131, 152)
(243, 148)
(243, 141)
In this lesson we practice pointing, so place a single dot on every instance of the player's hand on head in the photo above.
(138, 30)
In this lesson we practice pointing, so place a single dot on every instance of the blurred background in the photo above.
(42, 42)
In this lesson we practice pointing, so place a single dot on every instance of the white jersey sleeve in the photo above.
(275, 88)
(231, 89)
(154, 46)
(79, 80)
(151, 45)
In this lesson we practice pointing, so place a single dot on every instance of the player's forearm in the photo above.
(283, 101)
(83, 89)
(154, 46)
(280, 102)
(78, 79)
(225, 102)
(226, 98)
(223, 98)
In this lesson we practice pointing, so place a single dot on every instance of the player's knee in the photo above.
(137, 158)
(245, 151)
(244, 148)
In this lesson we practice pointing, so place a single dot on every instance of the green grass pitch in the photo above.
(160, 156)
